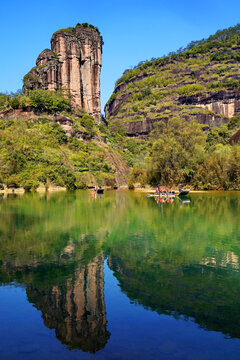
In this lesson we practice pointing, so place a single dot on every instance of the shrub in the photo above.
(81, 183)
(4, 100)
(13, 181)
(74, 143)
(15, 102)
(45, 100)
(88, 122)
(30, 185)
(146, 92)
(217, 136)
(59, 134)
(221, 55)
(234, 122)
(229, 84)
(190, 89)
(130, 185)
(70, 181)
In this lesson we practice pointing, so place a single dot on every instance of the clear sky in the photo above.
(133, 30)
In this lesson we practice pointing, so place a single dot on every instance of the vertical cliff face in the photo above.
(73, 66)
(76, 309)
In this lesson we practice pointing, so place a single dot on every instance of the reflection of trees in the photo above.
(183, 261)
(209, 294)
(37, 230)
(174, 260)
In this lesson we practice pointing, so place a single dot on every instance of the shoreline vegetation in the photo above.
(69, 149)
(137, 189)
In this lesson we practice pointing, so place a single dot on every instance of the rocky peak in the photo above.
(45, 57)
(73, 66)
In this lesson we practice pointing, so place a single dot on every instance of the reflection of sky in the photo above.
(136, 333)
(173, 259)
(143, 334)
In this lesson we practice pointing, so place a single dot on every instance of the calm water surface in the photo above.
(120, 276)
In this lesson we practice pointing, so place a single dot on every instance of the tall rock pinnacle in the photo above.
(72, 66)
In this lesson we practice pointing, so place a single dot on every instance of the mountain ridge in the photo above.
(208, 68)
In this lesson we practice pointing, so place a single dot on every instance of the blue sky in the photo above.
(132, 30)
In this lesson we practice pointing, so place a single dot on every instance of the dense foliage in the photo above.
(152, 88)
(181, 153)
(39, 151)
(40, 100)
(165, 91)
(45, 100)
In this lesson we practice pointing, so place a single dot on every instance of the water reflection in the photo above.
(76, 308)
(206, 294)
(160, 200)
(183, 261)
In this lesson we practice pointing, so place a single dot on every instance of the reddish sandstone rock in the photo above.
(73, 66)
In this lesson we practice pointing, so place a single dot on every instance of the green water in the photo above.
(119, 276)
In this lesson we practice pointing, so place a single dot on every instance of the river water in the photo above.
(119, 276)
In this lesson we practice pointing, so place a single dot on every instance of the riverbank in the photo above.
(40, 189)
(145, 190)
(151, 190)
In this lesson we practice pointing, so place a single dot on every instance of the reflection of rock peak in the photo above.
(76, 309)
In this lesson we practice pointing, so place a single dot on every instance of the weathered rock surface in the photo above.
(115, 105)
(72, 66)
(226, 103)
(142, 128)
(221, 106)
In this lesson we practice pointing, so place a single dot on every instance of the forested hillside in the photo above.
(183, 111)
(44, 141)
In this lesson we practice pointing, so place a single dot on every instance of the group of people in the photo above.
(164, 191)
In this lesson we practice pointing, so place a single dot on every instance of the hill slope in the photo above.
(201, 82)
(161, 106)
(44, 141)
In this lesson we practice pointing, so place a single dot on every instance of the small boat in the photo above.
(183, 193)
(100, 191)
(115, 187)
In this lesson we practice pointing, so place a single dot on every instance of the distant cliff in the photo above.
(72, 66)
(201, 82)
